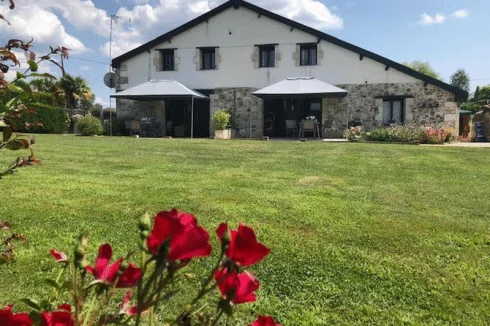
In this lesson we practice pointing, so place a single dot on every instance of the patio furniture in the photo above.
(309, 126)
(133, 127)
(291, 126)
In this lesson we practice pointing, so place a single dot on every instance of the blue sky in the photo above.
(449, 34)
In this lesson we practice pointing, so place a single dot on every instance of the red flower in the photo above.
(239, 288)
(187, 239)
(125, 308)
(60, 317)
(244, 249)
(107, 273)
(265, 321)
(8, 318)
(59, 256)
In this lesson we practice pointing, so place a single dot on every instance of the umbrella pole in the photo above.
(192, 118)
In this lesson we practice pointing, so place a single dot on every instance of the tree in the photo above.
(483, 94)
(424, 68)
(74, 88)
(461, 79)
(477, 93)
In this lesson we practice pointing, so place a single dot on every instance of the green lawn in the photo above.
(359, 233)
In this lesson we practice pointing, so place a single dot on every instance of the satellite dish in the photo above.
(110, 79)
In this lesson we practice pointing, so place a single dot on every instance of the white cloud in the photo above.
(41, 25)
(430, 20)
(98, 100)
(461, 13)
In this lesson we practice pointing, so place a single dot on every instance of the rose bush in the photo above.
(169, 242)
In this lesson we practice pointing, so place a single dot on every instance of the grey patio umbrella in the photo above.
(300, 87)
(161, 90)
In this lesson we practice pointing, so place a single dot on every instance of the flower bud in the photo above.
(122, 267)
(82, 263)
(80, 253)
(145, 222)
(226, 238)
(84, 239)
(144, 234)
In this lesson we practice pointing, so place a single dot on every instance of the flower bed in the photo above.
(402, 134)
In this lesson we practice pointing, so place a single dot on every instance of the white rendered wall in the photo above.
(236, 32)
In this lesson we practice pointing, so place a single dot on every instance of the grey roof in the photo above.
(300, 87)
(158, 89)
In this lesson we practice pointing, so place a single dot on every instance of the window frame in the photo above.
(270, 49)
(208, 50)
(402, 108)
(308, 47)
(164, 53)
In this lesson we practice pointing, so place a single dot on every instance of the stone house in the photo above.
(238, 48)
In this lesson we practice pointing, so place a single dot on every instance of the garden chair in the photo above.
(308, 126)
(133, 127)
(291, 126)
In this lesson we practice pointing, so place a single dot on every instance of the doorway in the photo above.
(278, 111)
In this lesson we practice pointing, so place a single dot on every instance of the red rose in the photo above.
(243, 249)
(239, 288)
(59, 256)
(265, 321)
(8, 318)
(187, 239)
(107, 273)
(60, 317)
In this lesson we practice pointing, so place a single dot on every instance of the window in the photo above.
(393, 112)
(308, 54)
(267, 56)
(208, 58)
(168, 60)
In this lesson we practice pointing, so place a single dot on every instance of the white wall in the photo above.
(236, 68)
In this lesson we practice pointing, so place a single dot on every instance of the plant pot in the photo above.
(222, 134)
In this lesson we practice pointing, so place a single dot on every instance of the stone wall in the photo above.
(136, 110)
(425, 105)
(247, 110)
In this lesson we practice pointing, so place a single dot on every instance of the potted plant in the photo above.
(221, 121)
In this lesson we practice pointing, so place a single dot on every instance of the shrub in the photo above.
(88, 126)
(355, 133)
(396, 134)
(221, 119)
(436, 135)
(46, 120)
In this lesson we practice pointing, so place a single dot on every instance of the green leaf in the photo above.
(44, 75)
(10, 104)
(52, 283)
(33, 303)
(21, 75)
(15, 88)
(33, 65)
(7, 133)
(17, 144)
